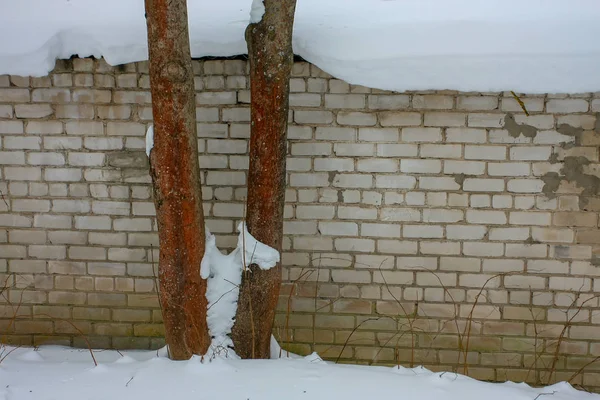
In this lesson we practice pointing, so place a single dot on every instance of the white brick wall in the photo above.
(415, 197)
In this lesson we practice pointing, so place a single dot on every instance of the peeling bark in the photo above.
(271, 59)
(176, 176)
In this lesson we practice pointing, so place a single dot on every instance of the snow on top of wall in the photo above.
(533, 46)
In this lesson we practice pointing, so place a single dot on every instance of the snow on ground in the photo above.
(532, 46)
(69, 374)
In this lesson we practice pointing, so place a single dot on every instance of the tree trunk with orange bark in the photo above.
(271, 58)
(176, 177)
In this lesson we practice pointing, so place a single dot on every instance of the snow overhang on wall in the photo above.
(532, 46)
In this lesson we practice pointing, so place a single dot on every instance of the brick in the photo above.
(464, 167)
(441, 151)
(33, 110)
(485, 152)
(44, 127)
(353, 181)
(482, 249)
(338, 228)
(420, 166)
(340, 100)
(483, 185)
(486, 217)
(518, 250)
(530, 218)
(434, 183)
(530, 153)
(378, 134)
(477, 103)
(566, 106)
(421, 134)
(509, 234)
(466, 232)
(356, 118)
(400, 214)
(379, 230)
(432, 102)
(485, 120)
(509, 169)
(396, 150)
(423, 231)
(396, 118)
(445, 119)
(465, 135)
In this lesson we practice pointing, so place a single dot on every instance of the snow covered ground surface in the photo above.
(69, 374)
(532, 46)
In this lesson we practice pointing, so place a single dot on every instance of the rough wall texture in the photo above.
(408, 215)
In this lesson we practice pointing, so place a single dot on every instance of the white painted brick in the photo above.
(486, 217)
(30, 205)
(294, 132)
(445, 119)
(313, 117)
(421, 166)
(63, 174)
(509, 169)
(464, 167)
(359, 245)
(225, 178)
(14, 157)
(33, 110)
(377, 165)
(501, 201)
(400, 214)
(352, 149)
(52, 221)
(421, 135)
(389, 102)
(397, 247)
(465, 135)
(22, 143)
(335, 133)
(554, 235)
(396, 118)
(338, 228)
(435, 183)
(538, 121)
(483, 249)
(525, 185)
(480, 201)
(439, 215)
(232, 210)
(372, 198)
(530, 218)
(92, 143)
(483, 185)
(43, 158)
(344, 101)
(358, 213)
(212, 98)
(533, 153)
(44, 127)
(485, 153)
(466, 232)
(310, 149)
(486, 120)
(397, 150)
(439, 248)
(223, 146)
(86, 159)
(441, 151)
(378, 134)
(11, 127)
(380, 230)
(477, 103)
(23, 173)
(433, 102)
(458, 200)
(566, 106)
(423, 231)
(315, 212)
(110, 207)
(97, 128)
(519, 250)
(331, 164)
(460, 264)
(307, 180)
(509, 234)
(532, 104)
(353, 181)
(552, 137)
(236, 114)
(299, 227)
(395, 182)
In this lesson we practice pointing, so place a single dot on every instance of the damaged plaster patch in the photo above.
(515, 129)
(460, 179)
(572, 172)
(568, 130)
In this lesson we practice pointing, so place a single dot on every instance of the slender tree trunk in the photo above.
(176, 176)
(271, 59)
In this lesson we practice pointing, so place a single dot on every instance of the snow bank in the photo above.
(69, 374)
(224, 273)
(532, 46)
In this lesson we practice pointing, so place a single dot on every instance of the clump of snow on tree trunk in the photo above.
(224, 274)
(149, 140)
(257, 11)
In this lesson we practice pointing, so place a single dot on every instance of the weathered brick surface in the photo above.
(402, 206)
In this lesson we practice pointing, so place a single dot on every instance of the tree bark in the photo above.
(176, 176)
(271, 59)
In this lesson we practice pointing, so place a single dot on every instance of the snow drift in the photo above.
(532, 46)
(69, 374)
